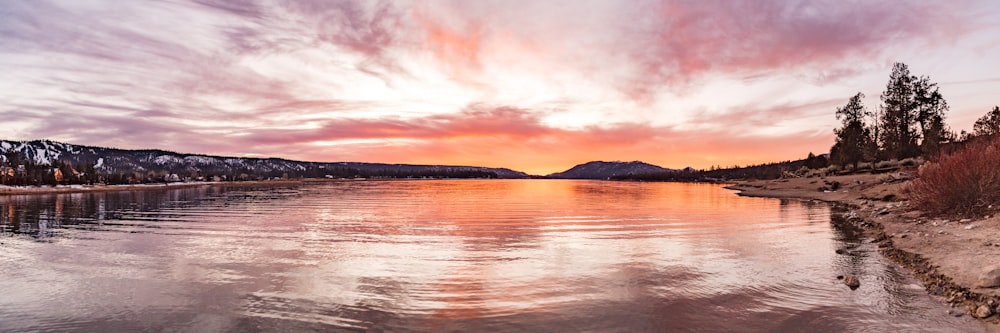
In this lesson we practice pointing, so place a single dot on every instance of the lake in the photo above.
(447, 255)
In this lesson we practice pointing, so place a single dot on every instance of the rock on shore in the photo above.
(852, 282)
(990, 278)
(943, 252)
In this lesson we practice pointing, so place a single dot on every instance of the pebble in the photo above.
(989, 278)
(970, 227)
(964, 220)
(984, 311)
(902, 236)
(941, 232)
(852, 282)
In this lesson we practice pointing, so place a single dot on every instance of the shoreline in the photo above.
(946, 254)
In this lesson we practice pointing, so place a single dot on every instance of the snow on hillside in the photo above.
(120, 161)
(167, 159)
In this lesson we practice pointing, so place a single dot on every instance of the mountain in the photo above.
(143, 164)
(608, 170)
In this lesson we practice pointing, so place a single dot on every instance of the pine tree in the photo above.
(899, 106)
(852, 138)
(931, 107)
(988, 124)
(873, 152)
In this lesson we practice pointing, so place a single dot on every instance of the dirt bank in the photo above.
(946, 254)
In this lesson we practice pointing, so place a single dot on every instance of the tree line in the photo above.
(908, 123)
(18, 171)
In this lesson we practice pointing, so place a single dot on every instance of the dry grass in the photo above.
(965, 182)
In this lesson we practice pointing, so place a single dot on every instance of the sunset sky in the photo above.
(536, 86)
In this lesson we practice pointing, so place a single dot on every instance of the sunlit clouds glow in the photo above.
(537, 86)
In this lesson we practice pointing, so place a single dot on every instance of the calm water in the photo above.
(464, 255)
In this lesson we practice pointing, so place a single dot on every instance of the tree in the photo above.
(873, 152)
(931, 106)
(900, 114)
(988, 124)
(816, 162)
(852, 138)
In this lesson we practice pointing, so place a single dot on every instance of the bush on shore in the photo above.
(965, 182)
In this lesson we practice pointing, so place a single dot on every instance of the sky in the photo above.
(536, 86)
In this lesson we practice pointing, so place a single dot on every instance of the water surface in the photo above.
(451, 255)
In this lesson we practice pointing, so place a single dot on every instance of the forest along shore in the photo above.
(955, 258)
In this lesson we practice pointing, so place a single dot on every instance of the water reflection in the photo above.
(446, 256)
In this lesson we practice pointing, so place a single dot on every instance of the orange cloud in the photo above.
(516, 138)
(232, 82)
(457, 49)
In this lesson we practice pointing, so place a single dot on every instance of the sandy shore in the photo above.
(946, 254)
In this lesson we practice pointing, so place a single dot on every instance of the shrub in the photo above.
(887, 164)
(964, 182)
(910, 162)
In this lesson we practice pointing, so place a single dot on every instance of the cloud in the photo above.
(472, 82)
(242, 8)
(687, 40)
(756, 117)
(513, 137)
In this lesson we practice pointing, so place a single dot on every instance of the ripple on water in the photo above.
(472, 255)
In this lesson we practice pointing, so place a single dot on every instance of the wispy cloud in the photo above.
(686, 40)
(474, 82)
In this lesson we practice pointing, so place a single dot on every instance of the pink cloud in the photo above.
(512, 137)
(691, 39)
(213, 80)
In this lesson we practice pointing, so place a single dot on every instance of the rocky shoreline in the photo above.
(950, 257)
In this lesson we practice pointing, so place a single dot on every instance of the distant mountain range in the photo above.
(610, 170)
(161, 163)
(37, 163)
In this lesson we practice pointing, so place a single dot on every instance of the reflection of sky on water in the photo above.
(439, 255)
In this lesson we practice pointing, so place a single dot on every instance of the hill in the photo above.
(35, 162)
(609, 170)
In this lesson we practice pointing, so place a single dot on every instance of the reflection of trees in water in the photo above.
(813, 211)
(42, 215)
(606, 192)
